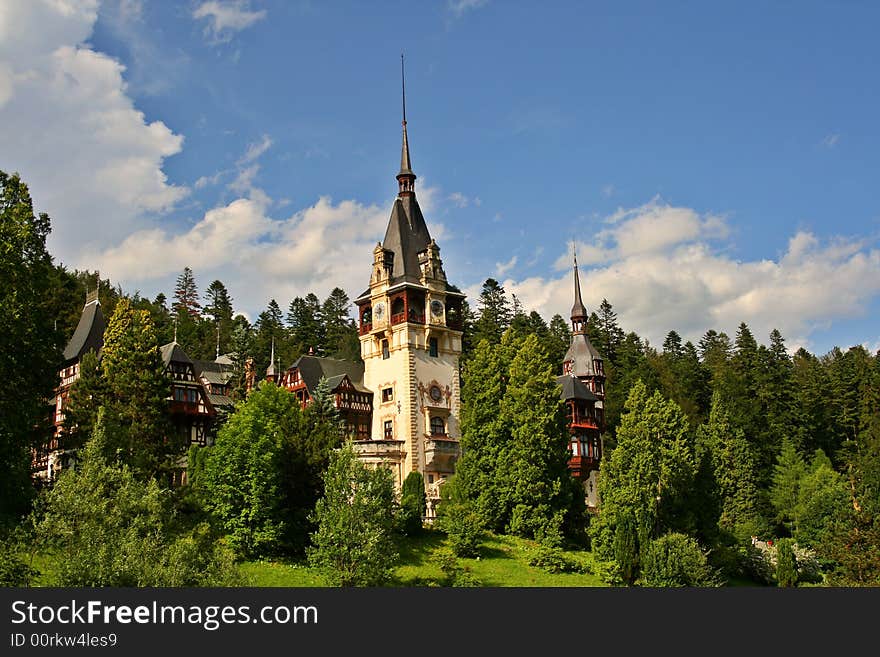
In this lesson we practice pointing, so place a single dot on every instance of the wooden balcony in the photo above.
(581, 466)
(582, 422)
(366, 327)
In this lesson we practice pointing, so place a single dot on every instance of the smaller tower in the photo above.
(583, 390)
(271, 373)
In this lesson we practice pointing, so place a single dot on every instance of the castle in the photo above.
(401, 405)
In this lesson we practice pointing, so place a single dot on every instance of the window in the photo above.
(387, 394)
(432, 347)
(389, 430)
(574, 449)
(430, 479)
(438, 426)
(385, 353)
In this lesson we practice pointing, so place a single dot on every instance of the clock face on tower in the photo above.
(379, 311)
(437, 308)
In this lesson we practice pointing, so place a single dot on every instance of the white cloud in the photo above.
(461, 7)
(255, 150)
(459, 199)
(91, 159)
(225, 17)
(658, 267)
(502, 268)
(831, 140)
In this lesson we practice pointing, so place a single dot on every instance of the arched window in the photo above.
(438, 426)
(397, 306)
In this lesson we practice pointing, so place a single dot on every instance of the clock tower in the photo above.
(410, 325)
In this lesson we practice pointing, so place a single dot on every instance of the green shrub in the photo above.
(786, 564)
(413, 502)
(463, 529)
(677, 560)
(455, 573)
(554, 560)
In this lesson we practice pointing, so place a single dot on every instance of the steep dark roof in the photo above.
(174, 352)
(406, 236)
(312, 368)
(578, 311)
(89, 333)
(213, 371)
(573, 388)
(583, 353)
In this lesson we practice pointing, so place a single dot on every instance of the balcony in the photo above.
(441, 453)
(366, 327)
(381, 450)
(581, 466)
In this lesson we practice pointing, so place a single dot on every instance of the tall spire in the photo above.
(578, 311)
(270, 371)
(405, 178)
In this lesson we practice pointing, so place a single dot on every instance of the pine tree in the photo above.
(535, 474)
(29, 344)
(340, 333)
(558, 340)
(649, 474)
(486, 431)
(734, 473)
(611, 335)
(495, 313)
(186, 295)
(304, 321)
(787, 475)
(353, 544)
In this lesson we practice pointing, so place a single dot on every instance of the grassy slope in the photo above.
(503, 562)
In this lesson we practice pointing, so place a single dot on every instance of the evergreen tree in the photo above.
(353, 543)
(536, 470)
(86, 396)
(138, 388)
(611, 335)
(413, 504)
(786, 564)
(186, 295)
(219, 309)
(104, 526)
(495, 313)
(244, 476)
(789, 471)
(823, 499)
(649, 474)
(241, 343)
(558, 340)
(29, 344)
(734, 473)
(486, 431)
(340, 333)
(304, 321)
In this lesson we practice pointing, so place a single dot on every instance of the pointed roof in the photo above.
(405, 164)
(407, 234)
(312, 368)
(578, 310)
(173, 352)
(89, 333)
(270, 371)
(573, 388)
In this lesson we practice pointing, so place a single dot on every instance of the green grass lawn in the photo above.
(503, 561)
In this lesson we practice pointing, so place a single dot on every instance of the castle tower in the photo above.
(583, 390)
(410, 334)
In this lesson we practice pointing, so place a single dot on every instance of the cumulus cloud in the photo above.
(92, 160)
(226, 17)
(502, 268)
(663, 268)
(259, 257)
(830, 141)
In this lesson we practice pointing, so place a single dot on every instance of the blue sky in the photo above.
(714, 164)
